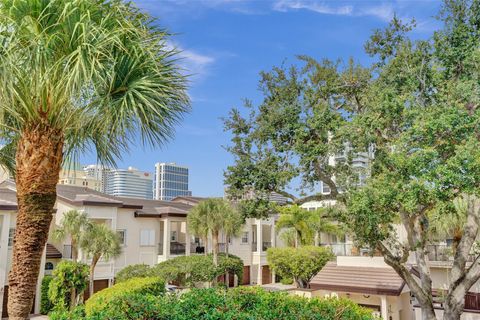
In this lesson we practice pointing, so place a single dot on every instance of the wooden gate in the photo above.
(246, 275)
(266, 275)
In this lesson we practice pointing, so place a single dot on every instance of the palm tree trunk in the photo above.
(227, 274)
(317, 238)
(38, 161)
(73, 243)
(215, 248)
(95, 259)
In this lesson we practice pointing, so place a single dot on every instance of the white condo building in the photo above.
(170, 181)
(130, 183)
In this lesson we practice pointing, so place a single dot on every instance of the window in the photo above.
(48, 266)
(147, 237)
(245, 237)
(122, 235)
(11, 235)
(173, 236)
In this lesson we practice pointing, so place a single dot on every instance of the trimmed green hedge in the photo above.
(133, 271)
(45, 304)
(101, 300)
(243, 303)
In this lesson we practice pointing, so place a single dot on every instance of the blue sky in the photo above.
(226, 43)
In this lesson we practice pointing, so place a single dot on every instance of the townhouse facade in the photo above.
(151, 231)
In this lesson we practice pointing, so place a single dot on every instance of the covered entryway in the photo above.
(98, 285)
(266, 275)
(246, 275)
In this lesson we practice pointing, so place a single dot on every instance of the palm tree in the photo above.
(73, 224)
(99, 242)
(209, 217)
(297, 218)
(76, 76)
(232, 227)
(319, 222)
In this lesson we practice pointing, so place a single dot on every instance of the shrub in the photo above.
(133, 271)
(300, 264)
(77, 313)
(45, 304)
(191, 270)
(69, 277)
(243, 303)
(144, 286)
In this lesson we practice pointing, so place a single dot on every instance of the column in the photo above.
(166, 238)
(259, 274)
(274, 244)
(384, 307)
(38, 291)
(259, 236)
(5, 227)
(188, 240)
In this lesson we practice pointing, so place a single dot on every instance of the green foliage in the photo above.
(99, 71)
(193, 270)
(76, 314)
(133, 271)
(240, 303)
(73, 225)
(296, 218)
(300, 264)
(101, 300)
(45, 304)
(67, 276)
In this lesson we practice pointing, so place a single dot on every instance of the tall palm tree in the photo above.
(232, 227)
(297, 218)
(76, 76)
(73, 224)
(319, 222)
(99, 242)
(209, 218)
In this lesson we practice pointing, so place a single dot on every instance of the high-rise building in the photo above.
(170, 181)
(99, 173)
(129, 183)
(73, 174)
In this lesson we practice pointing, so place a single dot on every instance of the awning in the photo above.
(52, 252)
(366, 280)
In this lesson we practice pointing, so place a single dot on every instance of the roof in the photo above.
(52, 252)
(188, 200)
(367, 280)
(82, 196)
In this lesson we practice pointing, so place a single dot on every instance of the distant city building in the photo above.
(73, 175)
(99, 173)
(170, 181)
(129, 183)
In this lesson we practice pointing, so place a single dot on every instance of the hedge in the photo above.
(243, 303)
(133, 271)
(101, 300)
(45, 304)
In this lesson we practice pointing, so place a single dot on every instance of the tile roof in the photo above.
(52, 252)
(367, 280)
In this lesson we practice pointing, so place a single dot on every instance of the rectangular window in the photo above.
(11, 235)
(245, 237)
(122, 235)
(173, 236)
(147, 237)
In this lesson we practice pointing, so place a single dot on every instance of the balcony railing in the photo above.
(348, 249)
(442, 252)
(265, 246)
(197, 248)
(176, 248)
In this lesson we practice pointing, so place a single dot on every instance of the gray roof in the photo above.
(82, 196)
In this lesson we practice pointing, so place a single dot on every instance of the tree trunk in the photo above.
(38, 161)
(73, 243)
(215, 248)
(95, 259)
(227, 274)
(296, 239)
(316, 239)
(205, 246)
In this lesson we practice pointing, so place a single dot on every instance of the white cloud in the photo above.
(193, 63)
(382, 11)
(286, 5)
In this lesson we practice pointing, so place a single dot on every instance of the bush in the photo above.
(244, 303)
(133, 271)
(77, 313)
(67, 276)
(191, 270)
(45, 304)
(300, 264)
(101, 300)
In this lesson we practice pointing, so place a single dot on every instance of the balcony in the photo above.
(348, 249)
(442, 252)
(265, 246)
(176, 248)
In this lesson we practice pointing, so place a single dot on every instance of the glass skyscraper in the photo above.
(170, 181)
(129, 183)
